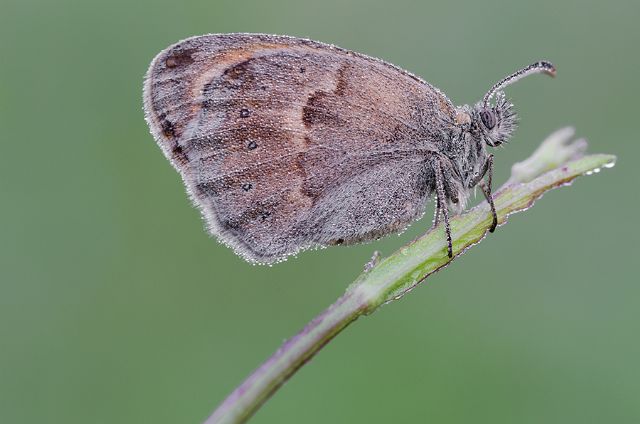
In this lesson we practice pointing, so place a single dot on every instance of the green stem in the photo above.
(556, 163)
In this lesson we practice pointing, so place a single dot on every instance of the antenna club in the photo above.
(546, 68)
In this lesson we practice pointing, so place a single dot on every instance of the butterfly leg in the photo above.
(436, 214)
(375, 260)
(486, 190)
(441, 204)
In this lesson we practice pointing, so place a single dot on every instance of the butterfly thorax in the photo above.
(466, 154)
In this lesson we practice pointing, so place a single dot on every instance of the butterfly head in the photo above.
(494, 124)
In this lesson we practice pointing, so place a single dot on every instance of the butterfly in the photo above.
(286, 144)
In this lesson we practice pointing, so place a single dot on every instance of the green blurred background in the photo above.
(116, 307)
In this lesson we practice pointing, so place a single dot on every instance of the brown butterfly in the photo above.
(285, 143)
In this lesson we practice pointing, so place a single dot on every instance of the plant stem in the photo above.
(292, 355)
(555, 163)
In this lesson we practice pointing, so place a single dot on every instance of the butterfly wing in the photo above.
(285, 143)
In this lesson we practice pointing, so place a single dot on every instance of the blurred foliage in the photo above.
(116, 307)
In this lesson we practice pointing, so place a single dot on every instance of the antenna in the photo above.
(540, 67)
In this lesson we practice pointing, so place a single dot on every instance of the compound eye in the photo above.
(488, 118)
